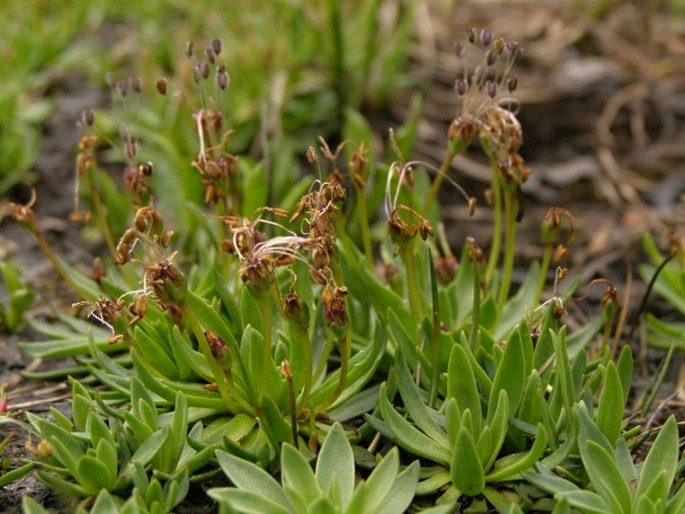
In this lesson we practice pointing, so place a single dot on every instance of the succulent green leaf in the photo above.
(335, 464)
(662, 457)
(298, 474)
(548, 481)
(10, 476)
(416, 406)
(462, 386)
(176, 489)
(397, 500)
(606, 477)
(676, 504)
(106, 452)
(31, 506)
(466, 468)
(98, 429)
(105, 504)
(562, 506)
(93, 474)
(211, 320)
(154, 492)
(81, 405)
(65, 446)
(533, 405)
(610, 409)
(644, 505)
(485, 445)
(361, 369)
(625, 461)
(588, 502)
(62, 420)
(407, 436)
(381, 481)
(62, 485)
(250, 312)
(499, 425)
(509, 376)
(274, 425)
(247, 501)
(434, 482)
(151, 446)
(511, 467)
(140, 429)
(154, 353)
(589, 430)
(252, 480)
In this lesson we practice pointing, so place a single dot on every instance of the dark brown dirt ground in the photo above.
(603, 112)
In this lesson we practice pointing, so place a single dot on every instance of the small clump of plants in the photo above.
(314, 343)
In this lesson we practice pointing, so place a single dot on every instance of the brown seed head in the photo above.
(161, 85)
(333, 299)
(217, 346)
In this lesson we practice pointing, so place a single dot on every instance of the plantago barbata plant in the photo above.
(330, 487)
(234, 344)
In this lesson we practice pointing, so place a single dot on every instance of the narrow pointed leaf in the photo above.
(251, 479)
(663, 456)
(298, 474)
(247, 501)
(336, 463)
(606, 477)
(462, 386)
(416, 406)
(610, 409)
(466, 468)
(397, 500)
(526, 461)
(407, 436)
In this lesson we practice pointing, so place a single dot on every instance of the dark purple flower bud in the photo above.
(135, 84)
(513, 47)
(491, 57)
(461, 87)
(486, 37)
(216, 46)
(122, 87)
(197, 73)
(512, 82)
(209, 54)
(458, 49)
(222, 79)
(491, 88)
(471, 34)
(204, 69)
(88, 117)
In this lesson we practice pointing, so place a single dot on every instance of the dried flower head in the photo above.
(333, 299)
(483, 91)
